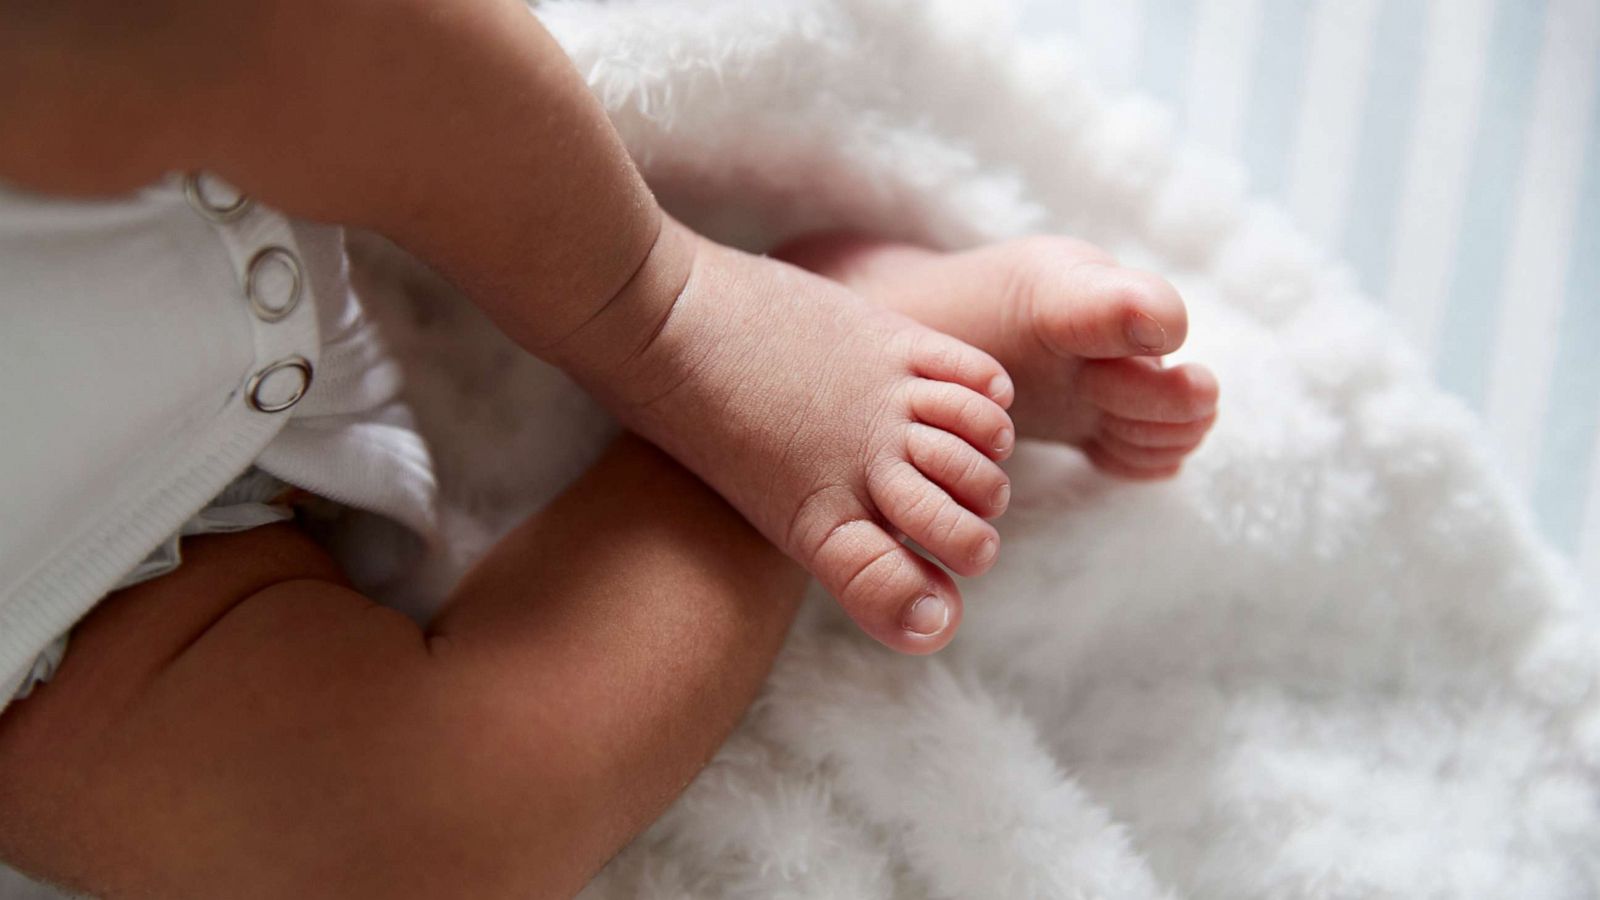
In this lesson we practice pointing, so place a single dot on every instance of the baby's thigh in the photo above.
(222, 730)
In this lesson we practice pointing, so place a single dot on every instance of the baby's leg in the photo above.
(1080, 335)
(249, 726)
(831, 424)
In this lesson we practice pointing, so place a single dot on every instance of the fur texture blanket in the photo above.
(1330, 660)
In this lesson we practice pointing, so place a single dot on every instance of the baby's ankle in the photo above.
(602, 353)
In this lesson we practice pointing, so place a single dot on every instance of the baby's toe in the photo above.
(927, 514)
(1142, 390)
(1138, 457)
(1151, 418)
(902, 600)
(975, 418)
(1124, 461)
(972, 478)
(1098, 310)
(1184, 436)
(940, 357)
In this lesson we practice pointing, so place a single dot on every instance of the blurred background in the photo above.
(1449, 152)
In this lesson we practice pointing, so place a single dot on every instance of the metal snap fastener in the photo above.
(293, 373)
(195, 190)
(259, 290)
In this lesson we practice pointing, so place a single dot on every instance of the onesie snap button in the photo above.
(273, 283)
(280, 385)
(214, 198)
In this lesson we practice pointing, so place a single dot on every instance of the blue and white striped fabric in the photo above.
(1449, 150)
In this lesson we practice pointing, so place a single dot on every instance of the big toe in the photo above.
(904, 601)
(1091, 307)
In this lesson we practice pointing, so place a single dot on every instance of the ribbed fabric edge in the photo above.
(57, 594)
(50, 599)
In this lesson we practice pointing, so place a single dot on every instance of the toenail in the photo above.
(1147, 333)
(1001, 498)
(927, 615)
(1003, 440)
(986, 552)
(999, 388)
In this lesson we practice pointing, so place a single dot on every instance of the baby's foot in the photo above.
(1081, 335)
(834, 425)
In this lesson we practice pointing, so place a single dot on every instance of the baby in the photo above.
(837, 415)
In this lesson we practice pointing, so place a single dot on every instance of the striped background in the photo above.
(1449, 150)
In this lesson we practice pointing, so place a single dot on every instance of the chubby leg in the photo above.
(250, 726)
(1081, 336)
(814, 413)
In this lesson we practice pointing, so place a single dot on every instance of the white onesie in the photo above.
(152, 349)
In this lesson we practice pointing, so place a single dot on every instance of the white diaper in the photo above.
(251, 500)
(153, 348)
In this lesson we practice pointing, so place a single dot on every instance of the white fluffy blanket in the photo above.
(1330, 660)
